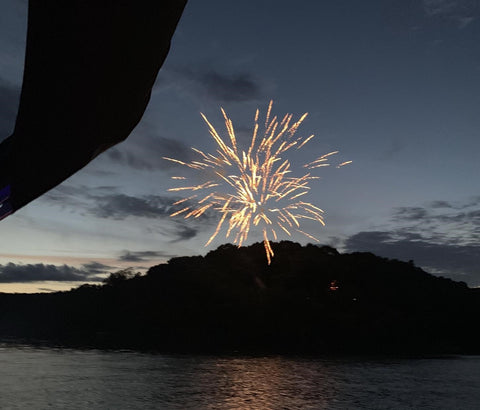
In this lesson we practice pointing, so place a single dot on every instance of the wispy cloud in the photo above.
(410, 214)
(148, 151)
(439, 214)
(226, 88)
(120, 207)
(214, 85)
(461, 12)
(143, 256)
(106, 202)
(64, 195)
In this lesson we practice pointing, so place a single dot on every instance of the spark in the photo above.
(344, 163)
(253, 187)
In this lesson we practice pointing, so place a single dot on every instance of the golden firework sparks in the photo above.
(253, 188)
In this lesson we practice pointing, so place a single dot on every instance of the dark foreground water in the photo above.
(40, 378)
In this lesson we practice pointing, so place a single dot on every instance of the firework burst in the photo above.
(253, 187)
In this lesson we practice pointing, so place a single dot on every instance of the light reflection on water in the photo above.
(91, 379)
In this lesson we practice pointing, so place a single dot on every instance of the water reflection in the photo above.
(268, 383)
(63, 378)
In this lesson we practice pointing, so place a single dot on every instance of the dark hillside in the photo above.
(311, 299)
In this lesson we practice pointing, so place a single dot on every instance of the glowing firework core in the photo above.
(260, 191)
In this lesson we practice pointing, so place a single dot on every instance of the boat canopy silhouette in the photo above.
(90, 66)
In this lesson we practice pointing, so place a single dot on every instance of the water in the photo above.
(41, 378)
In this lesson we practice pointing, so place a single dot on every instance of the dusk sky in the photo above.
(394, 85)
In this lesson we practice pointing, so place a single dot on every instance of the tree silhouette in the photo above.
(311, 299)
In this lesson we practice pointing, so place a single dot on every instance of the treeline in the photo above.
(311, 299)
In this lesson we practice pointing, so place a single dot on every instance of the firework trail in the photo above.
(253, 188)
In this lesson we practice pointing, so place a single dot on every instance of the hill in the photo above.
(311, 299)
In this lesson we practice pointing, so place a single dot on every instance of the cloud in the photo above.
(12, 273)
(409, 213)
(474, 201)
(451, 214)
(460, 262)
(97, 268)
(106, 203)
(47, 290)
(226, 88)
(76, 197)
(439, 7)
(441, 204)
(67, 196)
(461, 12)
(216, 86)
(148, 151)
(9, 99)
(442, 237)
(121, 206)
(184, 232)
(143, 256)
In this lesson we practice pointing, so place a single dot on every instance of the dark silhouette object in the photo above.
(214, 304)
(89, 69)
(116, 278)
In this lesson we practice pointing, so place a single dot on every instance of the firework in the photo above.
(253, 187)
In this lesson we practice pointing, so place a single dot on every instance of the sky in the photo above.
(394, 85)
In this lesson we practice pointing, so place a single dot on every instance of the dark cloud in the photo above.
(220, 87)
(184, 232)
(460, 262)
(442, 237)
(11, 273)
(143, 256)
(120, 206)
(97, 268)
(439, 212)
(363, 240)
(9, 99)
(105, 202)
(441, 204)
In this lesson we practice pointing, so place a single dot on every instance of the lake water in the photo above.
(46, 378)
